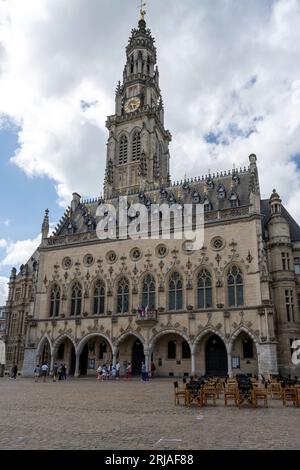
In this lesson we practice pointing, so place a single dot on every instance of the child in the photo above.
(37, 372)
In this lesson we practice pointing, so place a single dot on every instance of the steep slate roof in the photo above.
(194, 190)
(266, 212)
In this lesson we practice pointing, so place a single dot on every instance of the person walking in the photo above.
(144, 373)
(55, 372)
(99, 372)
(14, 372)
(37, 373)
(118, 370)
(128, 371)
(45, 369)
(113, 372)
(63, 372)
(104, 372)
(153, 369)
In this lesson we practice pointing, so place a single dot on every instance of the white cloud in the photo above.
(19, 252)
(3, 290)
(3, 243)
(228, 68)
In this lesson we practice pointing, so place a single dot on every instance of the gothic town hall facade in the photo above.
(232, 306)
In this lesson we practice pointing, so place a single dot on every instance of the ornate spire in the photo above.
(45, 226)
(138, 99)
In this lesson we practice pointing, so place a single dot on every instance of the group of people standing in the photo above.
(111, 371)
(104, 372)
(57, 373)
(108, 371)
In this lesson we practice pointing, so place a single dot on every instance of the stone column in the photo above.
(76, 373)
(147, 360)
(51, 362)
(114, 357)
(193, 363)
(229, 364)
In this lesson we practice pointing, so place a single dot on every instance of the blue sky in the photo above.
(230, 81)
(23, 199)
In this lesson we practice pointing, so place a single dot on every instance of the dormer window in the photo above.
(235, 179)
(71, 228)
(196, 197)
(210, 183)
(234, 201)
(221, 192)
(207, 205)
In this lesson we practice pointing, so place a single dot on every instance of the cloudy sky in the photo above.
(230, 78)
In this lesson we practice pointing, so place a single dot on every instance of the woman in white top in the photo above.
(99, 372)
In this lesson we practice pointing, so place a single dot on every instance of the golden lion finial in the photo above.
(142, 11)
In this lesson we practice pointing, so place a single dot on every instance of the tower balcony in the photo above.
(146, 317)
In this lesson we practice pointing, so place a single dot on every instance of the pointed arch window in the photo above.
(235, 287)
(148, 64)
(136, 146)
(123, 295)
(54, 301)
(99, 298)
(131, 64)
(204, 289)
(76, 299)
(148, 295)
(175, 292)
(123, 150)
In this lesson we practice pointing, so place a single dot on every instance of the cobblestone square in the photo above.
(86, 414)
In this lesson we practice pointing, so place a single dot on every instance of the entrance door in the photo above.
(216, 357)
(137, 357)
(83, 361)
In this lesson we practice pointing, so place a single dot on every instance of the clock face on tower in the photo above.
(132, 104)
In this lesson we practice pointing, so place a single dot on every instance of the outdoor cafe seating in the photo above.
(240, 390)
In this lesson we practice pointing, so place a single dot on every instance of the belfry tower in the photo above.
(138, 143)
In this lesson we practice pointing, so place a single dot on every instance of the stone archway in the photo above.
(44, 352)
(93, 350)
(130, 349)
(209, 353)
(64, 353)
(244, 353)
(171, 353)
(137, 357)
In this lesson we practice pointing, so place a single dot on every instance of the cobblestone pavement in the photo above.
(85, 414)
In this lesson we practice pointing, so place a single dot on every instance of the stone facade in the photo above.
(2, 344)
(231, 306)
